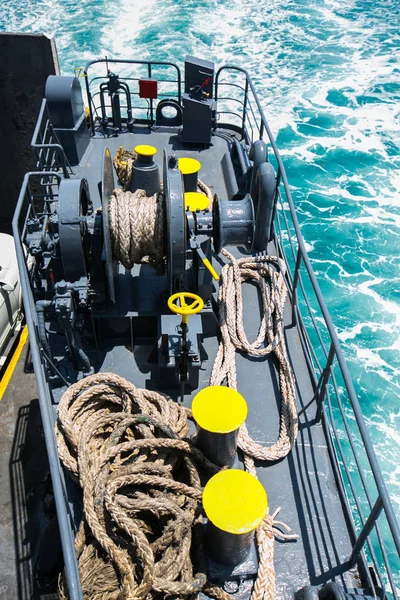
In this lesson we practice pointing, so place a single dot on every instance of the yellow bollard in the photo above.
(189, 167)
(145, 153)
(196, 201)
(235, 504)
(145, 173)
(219, 412)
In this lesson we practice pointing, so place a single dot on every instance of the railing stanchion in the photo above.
(326, 373)
(278, 183)
(246, 89)
(151, 99)
(261, 128)
(295, 284)
(366, 530)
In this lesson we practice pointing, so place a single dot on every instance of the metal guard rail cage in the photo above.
(368, 508)
(28, 199)
(50, 155)
(372, 522)
(148, 72)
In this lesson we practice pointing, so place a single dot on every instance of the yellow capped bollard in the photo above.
(145, 173)
(196, 201)
(219, 412)
(145, 152)
(189, 167)
(235, 504)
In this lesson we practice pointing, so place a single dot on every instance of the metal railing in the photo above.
(168, 87)
(373, 526)
(34, 192)
(50, 155)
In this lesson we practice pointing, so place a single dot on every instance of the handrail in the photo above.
(66, 531)
(383, 501)
(46, 143)
(147, 63)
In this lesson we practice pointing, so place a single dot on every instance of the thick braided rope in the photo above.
(124, 445)
(268, 274)
(141, 490)
(137, 225)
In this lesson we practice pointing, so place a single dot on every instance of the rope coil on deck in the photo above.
(141, 534)
(141, 490)
(267, 273)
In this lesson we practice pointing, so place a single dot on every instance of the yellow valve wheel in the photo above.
(184, 309)
(145, 150)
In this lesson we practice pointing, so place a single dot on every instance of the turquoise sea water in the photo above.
(328, 74)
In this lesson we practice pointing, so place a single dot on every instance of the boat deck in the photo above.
(303, 484)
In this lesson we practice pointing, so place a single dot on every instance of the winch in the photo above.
(124, 260)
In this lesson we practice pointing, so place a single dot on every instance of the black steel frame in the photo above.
(148, 72)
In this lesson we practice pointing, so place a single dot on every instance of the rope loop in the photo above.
(141, 490)
(268, 274)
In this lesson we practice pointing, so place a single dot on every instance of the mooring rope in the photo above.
(268, 274)
(137, 227)
(141, 534)
(138, 222)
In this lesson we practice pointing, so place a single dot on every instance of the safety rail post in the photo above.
(246, 90)
(325, 375)
(366, 530)
(274, 209)
(151, 99)
(296, 278)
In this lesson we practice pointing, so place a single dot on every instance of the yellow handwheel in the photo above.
(184, 309)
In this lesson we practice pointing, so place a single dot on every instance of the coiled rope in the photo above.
(141, 534)
(141, 490)
(137, 226)
(268, 274)
(137, 222)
